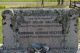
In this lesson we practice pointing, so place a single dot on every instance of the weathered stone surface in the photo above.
(40, 30)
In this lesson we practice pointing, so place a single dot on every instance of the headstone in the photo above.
(40, 30)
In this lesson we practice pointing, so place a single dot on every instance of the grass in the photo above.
(27, 0)
(33, 0)
(1, 37)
